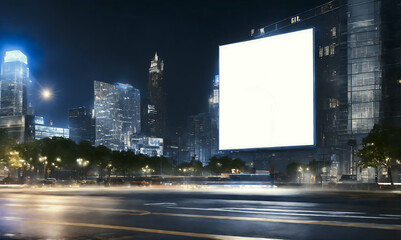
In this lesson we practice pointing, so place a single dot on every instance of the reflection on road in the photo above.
(177, 214)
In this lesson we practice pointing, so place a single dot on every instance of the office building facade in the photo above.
(150, 146)
(117, 115)
(357, 72)
(14, 84)
(48, 131)
(81, 125)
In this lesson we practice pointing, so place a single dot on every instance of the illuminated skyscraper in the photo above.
(14, 82)
(214, 101)
(156, 119)
(117, 115)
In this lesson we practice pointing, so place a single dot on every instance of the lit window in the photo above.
(334, 32)
(320, 52)
(326, 50)
(332, 47)
(333, 102)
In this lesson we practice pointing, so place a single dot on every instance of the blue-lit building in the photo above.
(117, 115)
(14, 84)
(15, 114)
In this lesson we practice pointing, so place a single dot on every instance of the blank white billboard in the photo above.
(267, 92)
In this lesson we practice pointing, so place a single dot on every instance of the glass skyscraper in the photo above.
(13, 84)
(117, 115)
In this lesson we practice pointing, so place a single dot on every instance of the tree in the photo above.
(102, 158)
(381, 148)
(225, 165)
(57, 151)
(190, 168)
(292, 170)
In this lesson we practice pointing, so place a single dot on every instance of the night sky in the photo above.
(71, 43)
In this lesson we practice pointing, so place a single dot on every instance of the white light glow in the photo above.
(15, 56)
(46, 94)
(267, 92)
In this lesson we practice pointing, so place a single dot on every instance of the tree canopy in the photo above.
(381, 148)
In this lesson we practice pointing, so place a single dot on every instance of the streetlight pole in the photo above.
(43, 160)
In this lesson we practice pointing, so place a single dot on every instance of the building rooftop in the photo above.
(15, 56)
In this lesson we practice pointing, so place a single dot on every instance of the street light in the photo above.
(82, 163)
(44, 162)
(300, 170)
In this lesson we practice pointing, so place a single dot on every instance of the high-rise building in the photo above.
(15, 114)
(14, 84)
(117, 115)
(214, 97)
(81, 125)
(201, 135)
(156, 108)
(201, 143)
(357, 75)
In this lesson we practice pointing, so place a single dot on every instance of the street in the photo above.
(212, 213)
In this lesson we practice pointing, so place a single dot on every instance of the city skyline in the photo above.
(67, 57)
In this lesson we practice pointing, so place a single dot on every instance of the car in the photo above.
(141, 181)
(348, 179)
(49, 181)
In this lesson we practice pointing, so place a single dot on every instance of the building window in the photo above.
(333, 102)
(334, 32)
(320, 52)
(332, 49)
(326, 50)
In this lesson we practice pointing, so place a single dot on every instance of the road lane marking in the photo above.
(148, 230)
(295, 210)
(281, 212)
(324, 223)
(160, 204)
(45, 207)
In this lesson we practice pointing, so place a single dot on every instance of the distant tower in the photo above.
(81, 125)
(14, 83)
(156, 119)
(117, 115)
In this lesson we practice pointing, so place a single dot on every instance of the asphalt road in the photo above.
(223, 213)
